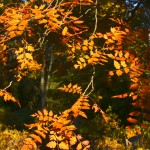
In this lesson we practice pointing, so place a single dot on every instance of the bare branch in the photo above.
(91, 84)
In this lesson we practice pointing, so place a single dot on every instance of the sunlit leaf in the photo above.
(126, 70)
(64, 146)
(51, 144)
(73, 140)
(123, 64)
(35, 137)
(79, 146)
(78, 22)
(119, 72)
(42, 21)
(116, 64)
(30, 48)
(64, 31)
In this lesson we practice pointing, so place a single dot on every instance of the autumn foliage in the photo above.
(19, 24)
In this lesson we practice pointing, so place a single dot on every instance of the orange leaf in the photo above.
(42, 21)
(135, 113)
(116, 64)
(84, 48)
(126, 70)
(40, 133)
(134, 86)
(35, 137)
(51, 144)
(134, 97)
(12, 28)
(78, 22)
(81, 113)
(132, 120)
(120, 54)
(119, 72)
(111, 73)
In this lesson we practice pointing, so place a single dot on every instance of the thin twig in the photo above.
(91, 83)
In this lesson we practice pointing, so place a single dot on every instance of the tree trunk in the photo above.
(43, 92)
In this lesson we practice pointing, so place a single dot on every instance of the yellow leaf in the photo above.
(79, 146)
(116, 64)
(71, 127)
(70, 85)
(50, 113)
(45, 112)
(75, 86)
(64, 31)
(123, 64)
(41, 7)
(73, 140)
(91, 43)
(64, 146)
(30, 48)
(14, 22)
(76, 66)
(96, 55)
(82, 59)
(29, 56)
(111, 56)
(119, 72)
(85, 42)
(21, 56)
(86, 57)
(127, 55)
(51, 144)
